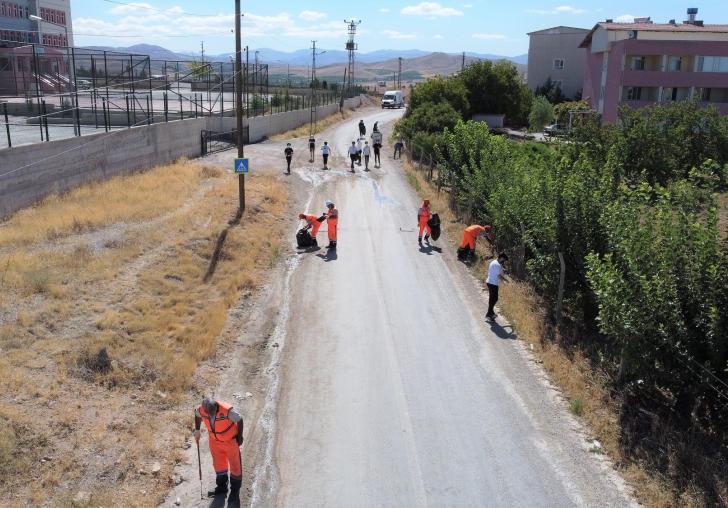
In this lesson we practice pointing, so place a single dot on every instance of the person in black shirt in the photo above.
(289, 155)
(377, 146)
(311, 146)
(362, 128)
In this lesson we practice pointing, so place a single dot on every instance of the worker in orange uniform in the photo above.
(332, 220)
(225, 430)
(423, 216)
(470, 236)
(313, 223)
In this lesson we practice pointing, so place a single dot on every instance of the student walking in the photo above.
(326, 150)
(311, 146)
(377, 148)
(398, 149)
(367, 152)
(362, 128)
(289, 155)
(359, 145)
(495, 277)
(352, 155)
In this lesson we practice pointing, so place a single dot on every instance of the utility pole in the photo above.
(351, 47)
(399, 75)
(239, 109)
(313, 88)
(462, 68)
(202, 46)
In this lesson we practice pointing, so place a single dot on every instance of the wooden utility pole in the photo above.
(239, 109)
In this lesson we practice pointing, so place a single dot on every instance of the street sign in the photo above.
(242, 166)
(40, 50)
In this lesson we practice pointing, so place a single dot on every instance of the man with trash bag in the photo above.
(423, 217)
(225, 431)
(470, 237)
(362, 129)
(313, 223)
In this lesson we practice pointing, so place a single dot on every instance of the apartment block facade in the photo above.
(17, 29)
(555, 53)
(645, 63)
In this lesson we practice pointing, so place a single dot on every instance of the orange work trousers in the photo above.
(226, 455)
(468, 240)
(332, 230)
(315, 225)
(424, 227)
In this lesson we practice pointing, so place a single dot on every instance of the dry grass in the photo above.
(582, 386)
(305, 130)
(118, 265)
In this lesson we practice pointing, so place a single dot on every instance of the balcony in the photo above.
(674, 79)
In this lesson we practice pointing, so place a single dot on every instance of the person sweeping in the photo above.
(225, 430)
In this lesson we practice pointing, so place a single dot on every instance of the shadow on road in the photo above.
(502, 332)
(329, 256)
(429, 249)
(218, 502)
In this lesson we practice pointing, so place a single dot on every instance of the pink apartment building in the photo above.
(644, 63)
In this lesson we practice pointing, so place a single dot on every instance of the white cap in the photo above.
(329, 203)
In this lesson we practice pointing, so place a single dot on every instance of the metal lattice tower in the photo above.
(351, 46)
(399, 75)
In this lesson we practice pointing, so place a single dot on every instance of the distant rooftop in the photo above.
(648, 26)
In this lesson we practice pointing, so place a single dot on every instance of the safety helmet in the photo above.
(301, 216)
(427, 201)
(487, 228)
(329, 203)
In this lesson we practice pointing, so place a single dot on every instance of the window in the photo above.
(15, 11)
(638, 63)
(675, 63)
(705, 94)
(605, 62)
(2, 8)
(601, 94)
(669, 93)
(559, 64)
(63, 18)
(634, 93)
(713, 64)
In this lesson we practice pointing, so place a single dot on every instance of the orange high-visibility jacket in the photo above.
(333, 217)
(424, 214)
(225, 429)
(310, 219)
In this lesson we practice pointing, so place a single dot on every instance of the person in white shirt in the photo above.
(352, 154)
(495, 277)
(358, 150)
(325, 150)
(367, 151)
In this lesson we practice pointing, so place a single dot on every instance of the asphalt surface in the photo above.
(391, 389)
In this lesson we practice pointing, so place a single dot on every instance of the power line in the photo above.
(169, 11)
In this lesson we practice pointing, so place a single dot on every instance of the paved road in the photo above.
(394, 391)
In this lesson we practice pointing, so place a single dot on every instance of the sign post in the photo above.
(239, 109)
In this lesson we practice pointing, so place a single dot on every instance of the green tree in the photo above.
(198, 68)
(542, 114)
(496, 88)
(552, 91)
(561, 111)
(437, 90)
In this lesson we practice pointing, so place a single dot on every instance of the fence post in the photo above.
(128, 118)
(7, 124)
(430, 177)
(166, 107)
(103, 108)
(560, 298)
(149, 120)
(522, 264)
(422, 156)
(439, 180)
(45, 120)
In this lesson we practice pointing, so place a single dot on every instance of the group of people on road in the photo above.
(358, 149)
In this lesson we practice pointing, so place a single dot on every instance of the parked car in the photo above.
(83, 84)
(556, 130)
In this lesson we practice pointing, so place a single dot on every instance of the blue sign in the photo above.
(242, 165)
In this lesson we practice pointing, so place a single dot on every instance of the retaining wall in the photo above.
(30, 173)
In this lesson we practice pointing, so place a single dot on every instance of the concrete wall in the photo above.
(557, 43)
(30, 173)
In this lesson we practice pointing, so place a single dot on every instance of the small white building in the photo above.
(493, 121)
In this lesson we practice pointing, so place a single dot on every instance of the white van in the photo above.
(392, 99)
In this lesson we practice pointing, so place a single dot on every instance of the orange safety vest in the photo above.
(310, 218)
(474, 231)
(424, 214)
(333, 217)
(225, 429)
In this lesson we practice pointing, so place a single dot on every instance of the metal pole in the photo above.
(166, 107)
(45, 120)
(149, 120)
(76, 112)
(103, 106)
(37, 90)
(72, 85)
(239, 112)
(7, 124)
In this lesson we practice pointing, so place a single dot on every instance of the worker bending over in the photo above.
(225, 430)
(332, 221)
(313, 223)
(470, 237)
(423, 217)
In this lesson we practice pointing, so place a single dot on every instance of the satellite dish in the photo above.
(632, 34)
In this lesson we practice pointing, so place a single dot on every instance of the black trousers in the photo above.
(354, 157)
(492, 298)
(326, 159)
(376, 158)
(288, 160)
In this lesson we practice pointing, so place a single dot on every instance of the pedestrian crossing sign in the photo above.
(242, 165)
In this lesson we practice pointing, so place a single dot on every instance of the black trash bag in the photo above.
(464, 253)
(434, 224)
(303, 238)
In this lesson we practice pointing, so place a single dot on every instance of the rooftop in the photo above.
(655, 27)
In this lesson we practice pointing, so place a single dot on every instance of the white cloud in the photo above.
(399, 35)
(489, 37)
(383, 10)
(140, 7)
(311, 15)
(431, 9)
(564, 9)
(625, 18)
(467, 6)
(438, 36)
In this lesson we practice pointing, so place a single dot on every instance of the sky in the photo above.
(479, 26)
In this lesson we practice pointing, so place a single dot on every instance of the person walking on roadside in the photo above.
(311, 146)
(376, 127)
(423, 217)
(352, 155)
(377, 147)
(495, 277)
(470, 237)
(332, 221)
(289, 155)
(225, 431)
(398, 148)
(362, 129)
(313, 223)
(366, 151)
(359, 146)
(326, 150)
